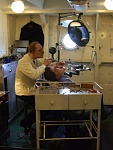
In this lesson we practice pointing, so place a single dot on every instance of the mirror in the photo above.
(78, 32)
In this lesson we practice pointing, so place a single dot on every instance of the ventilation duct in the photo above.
(79, 5)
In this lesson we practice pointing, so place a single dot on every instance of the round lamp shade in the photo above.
(78, 33)
(108, 4)
(17, 6)
(52, 50)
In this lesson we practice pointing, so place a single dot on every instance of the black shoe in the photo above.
(23, 135)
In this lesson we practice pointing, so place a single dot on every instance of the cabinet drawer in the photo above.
(51, 102)
(81, 102)
(9, 69)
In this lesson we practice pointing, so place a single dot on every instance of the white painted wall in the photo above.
(11, 19)
(3, 34)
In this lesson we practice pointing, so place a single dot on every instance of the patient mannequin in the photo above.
(56, 73)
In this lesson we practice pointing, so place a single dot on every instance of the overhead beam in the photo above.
(51, 11)
(43, 18)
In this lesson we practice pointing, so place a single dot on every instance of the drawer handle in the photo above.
(10, 70)
(52, 103)
(85, 102)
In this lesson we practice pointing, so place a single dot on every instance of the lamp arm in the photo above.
(58, 36)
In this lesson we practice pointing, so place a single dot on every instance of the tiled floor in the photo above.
(106, 137)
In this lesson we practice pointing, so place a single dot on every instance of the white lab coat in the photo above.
(26, 74)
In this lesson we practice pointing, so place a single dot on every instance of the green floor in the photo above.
(105, 144)
(14, 140)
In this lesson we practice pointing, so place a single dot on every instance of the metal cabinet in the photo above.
(7, 83)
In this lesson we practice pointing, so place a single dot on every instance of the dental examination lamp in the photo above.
(78, 32)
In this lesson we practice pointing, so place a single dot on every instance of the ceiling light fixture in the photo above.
(17, 6)
(108, 4)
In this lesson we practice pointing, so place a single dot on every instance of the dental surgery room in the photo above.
(56, 75)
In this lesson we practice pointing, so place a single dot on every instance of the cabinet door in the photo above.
(9, 69)
(12, 96)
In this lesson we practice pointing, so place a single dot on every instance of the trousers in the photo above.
(30, 119)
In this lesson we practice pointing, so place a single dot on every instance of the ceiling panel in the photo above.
(52, 6)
